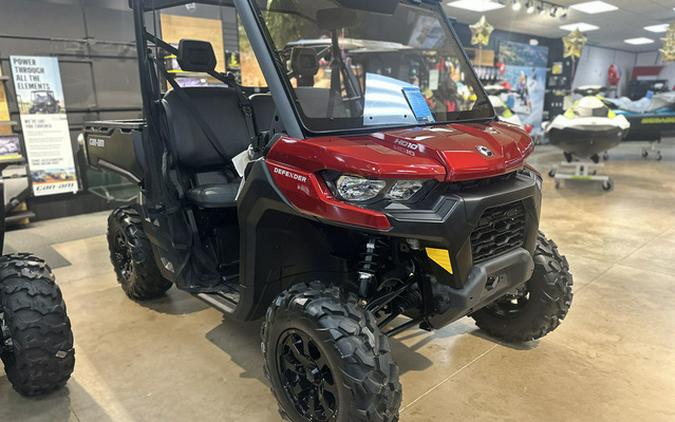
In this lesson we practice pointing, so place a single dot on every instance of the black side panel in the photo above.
(279, 247)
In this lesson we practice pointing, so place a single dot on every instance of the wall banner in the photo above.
(525, 70)
(37, 82)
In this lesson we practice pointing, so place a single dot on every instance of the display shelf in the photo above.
(4, 78)
(8, 123)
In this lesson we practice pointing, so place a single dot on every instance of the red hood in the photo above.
(452, 152)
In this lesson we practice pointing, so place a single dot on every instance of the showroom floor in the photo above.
(612, 359)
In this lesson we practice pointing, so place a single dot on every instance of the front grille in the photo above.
(500, 229)
(469, 185)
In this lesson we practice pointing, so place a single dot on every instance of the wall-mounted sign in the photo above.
(525, 70)
(37, 82)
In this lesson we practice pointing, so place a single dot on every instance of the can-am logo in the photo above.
(485, 151)
(96, 142)
(290, 174)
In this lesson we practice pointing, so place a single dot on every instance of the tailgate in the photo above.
(116, 146)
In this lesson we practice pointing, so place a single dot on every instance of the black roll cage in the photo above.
(154, 186)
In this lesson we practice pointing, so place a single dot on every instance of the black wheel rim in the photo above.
(122, 254)
(511, 304)
(306, 377)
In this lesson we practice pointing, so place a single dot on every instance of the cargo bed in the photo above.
(117, 146)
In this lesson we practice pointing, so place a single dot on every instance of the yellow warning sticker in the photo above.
(441, 257)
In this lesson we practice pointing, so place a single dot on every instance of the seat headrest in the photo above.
(196, 56)
(305, 64)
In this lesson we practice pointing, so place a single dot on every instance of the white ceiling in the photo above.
(627, 22)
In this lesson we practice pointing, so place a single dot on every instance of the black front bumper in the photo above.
(448, 217)
(488, 281)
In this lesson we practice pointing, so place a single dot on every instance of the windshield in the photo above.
(350, 69)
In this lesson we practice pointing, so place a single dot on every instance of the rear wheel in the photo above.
(131, 256)
(36, 341)
(537, 307)
(326, 359)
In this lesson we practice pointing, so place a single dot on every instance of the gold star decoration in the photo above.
(481, 31)
(668, 50)
(574, 43)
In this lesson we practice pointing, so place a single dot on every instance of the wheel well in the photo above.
(286, 250)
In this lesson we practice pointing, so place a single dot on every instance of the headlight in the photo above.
(403, 190)
(358, 189)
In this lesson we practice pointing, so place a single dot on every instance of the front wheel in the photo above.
(537, 307)
(326, 359)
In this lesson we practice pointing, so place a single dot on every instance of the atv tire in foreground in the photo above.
(131, 256)
(326, 359)
(538, 307)
(36, 338)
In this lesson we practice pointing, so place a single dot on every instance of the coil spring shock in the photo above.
(370, 263)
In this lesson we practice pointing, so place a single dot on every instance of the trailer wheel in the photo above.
(36, 339)
(326, 358)
(538, 307)
(131, 256)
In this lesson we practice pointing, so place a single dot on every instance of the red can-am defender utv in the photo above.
(367, 189)
(36, 341)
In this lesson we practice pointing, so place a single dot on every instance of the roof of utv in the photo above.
(150, 5)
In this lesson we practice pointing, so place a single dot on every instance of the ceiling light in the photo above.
(554, 11)
(563, 12)
(529, 7)
(581, 26)
(476, 5)
(516, 5)
(657, 28)
(542, 9)
(593, 7)
(639, 41)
